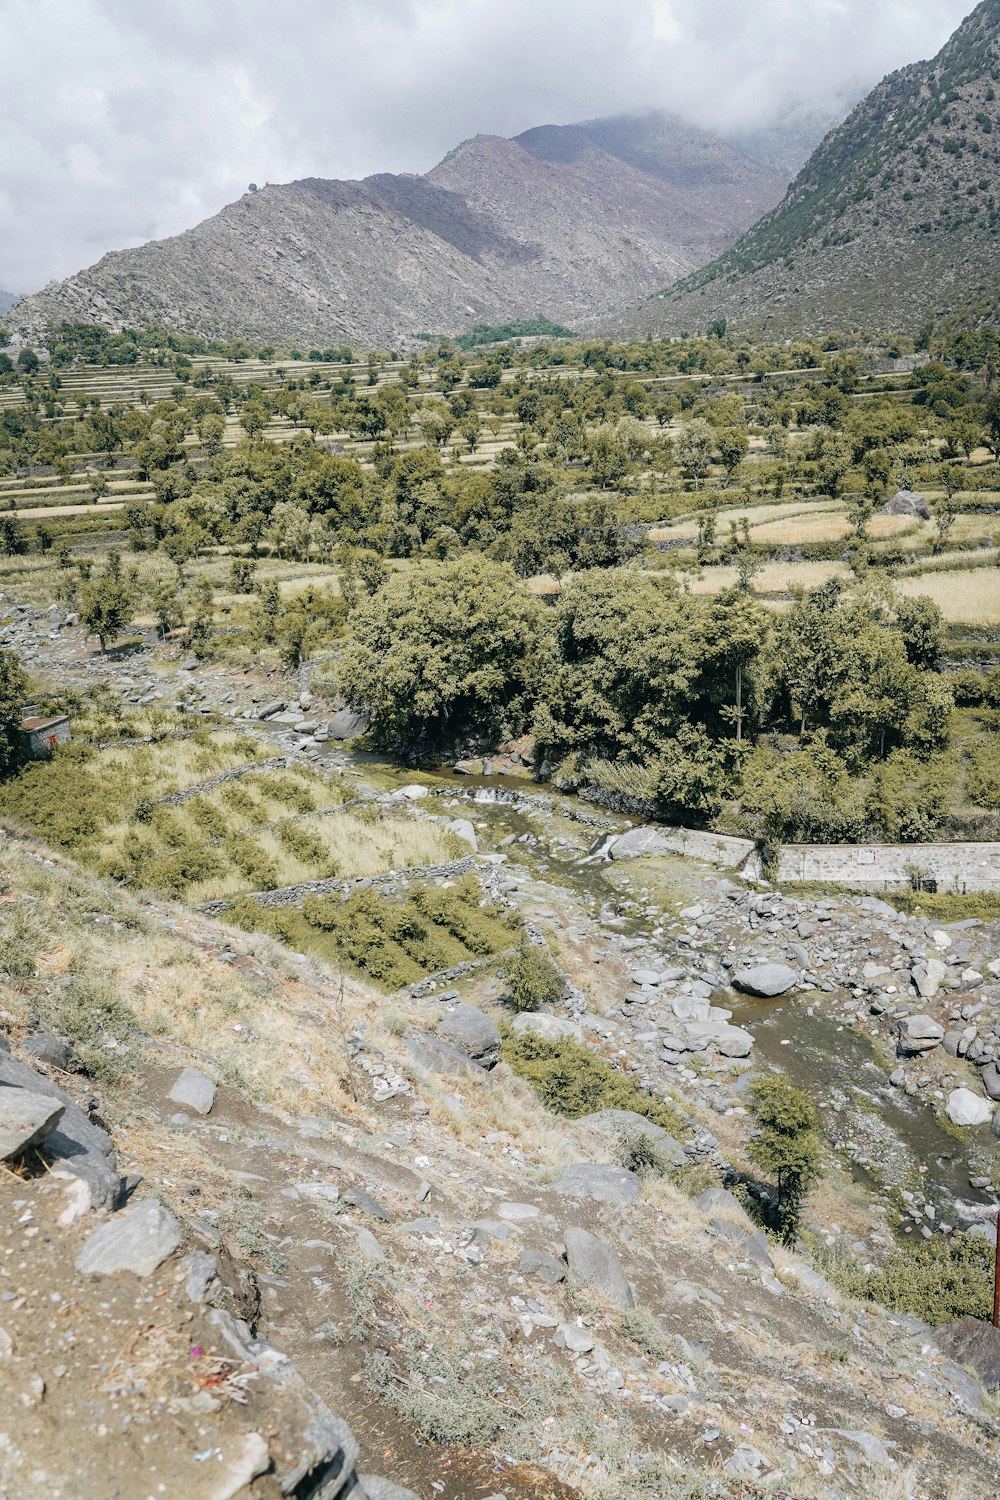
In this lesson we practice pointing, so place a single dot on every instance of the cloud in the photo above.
(122, 122)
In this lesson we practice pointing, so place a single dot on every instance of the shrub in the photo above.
(21, 940)
(533, 979)
(639, 1153)
(937, 1279)
(785, 1142)
(572, 1080)
(92, 1014)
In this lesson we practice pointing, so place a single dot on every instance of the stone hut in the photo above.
(43, 735)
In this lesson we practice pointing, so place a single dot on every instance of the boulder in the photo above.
(467, 1028)
(919, 1033)
(375, 1488)
(193, 1090)
(138, 1239)
(539, 1263)
(963, 1107)
(722, 1205)
(991, 1080)
(42, 1047)
(612, 1123)
(26, 1119)
(730, 1041)
(574, 1338)
(751, 1246)
(463, 829)
(75, 1144)
(347, 725)
(906, 503)
(414, 791)
(551, 1028)
(765, 980)
(972, 1343)
(602, 1181)
(927, 977)
(270, 709)
(638, 842)
(595, 1264)
(432, 1055)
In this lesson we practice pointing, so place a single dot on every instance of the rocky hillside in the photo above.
(7, 300)
(892, 221)
(563, 222)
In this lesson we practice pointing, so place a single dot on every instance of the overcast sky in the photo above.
(125, 120)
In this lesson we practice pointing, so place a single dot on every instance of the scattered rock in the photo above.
(765, 980)
(25, 1119)
(194, 1090)
(963, 1107)
(42, 1047)
(138, 1239)
(919, 1033)
(593, 1263)
(574, 1338)
(374, 1488)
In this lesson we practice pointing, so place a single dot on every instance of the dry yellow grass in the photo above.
(773, 578)
(971, 598)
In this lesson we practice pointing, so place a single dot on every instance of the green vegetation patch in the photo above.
(392, 942)
(571, 1079)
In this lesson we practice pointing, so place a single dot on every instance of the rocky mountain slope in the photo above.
(499, 229)
(7, 300)
(893, 220)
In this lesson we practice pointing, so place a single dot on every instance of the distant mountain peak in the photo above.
(563, 222)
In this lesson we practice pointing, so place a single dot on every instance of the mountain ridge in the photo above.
(903, 194)
(493, 231)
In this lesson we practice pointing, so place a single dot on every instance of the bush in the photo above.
(785, 1142)
(937, 1279)
(968, 687)
(639, 1153)
(572, 1080)
(533, 979)
(91, 1015)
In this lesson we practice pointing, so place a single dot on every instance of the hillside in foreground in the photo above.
(892, 222)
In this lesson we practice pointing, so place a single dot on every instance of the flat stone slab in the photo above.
(594, 1263)
(600, 1180)
(76, 1144)
(193, 1090)
(765, 980)
(431, 1054)
(25, 1120)
(138, 1239)
(539, 1263)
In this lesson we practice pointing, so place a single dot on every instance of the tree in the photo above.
(533, 979)
(107, 601)
(241, 574)
(944, 511)
(785, 1143)
(694, 448)
(860, 509)
(733, 445)
(13, 692)
(738, 632)
(445, 656)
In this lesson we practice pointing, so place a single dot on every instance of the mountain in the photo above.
(565, 221)
(7, 300)
(893, 219)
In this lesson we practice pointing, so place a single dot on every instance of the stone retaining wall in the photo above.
(276, 763)
(885, 867)
(294, 895)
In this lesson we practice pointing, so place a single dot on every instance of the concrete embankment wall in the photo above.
(954, 867)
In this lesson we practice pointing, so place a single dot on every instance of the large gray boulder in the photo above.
(919, 1034)
(765, 980)
(639, 842)
(42, 1047)
(539, 1263)
(991, 1080)
(603, 1182)
(549, 1028)
(138, 1239)
(193, 1089)
(971, 1343)
(751, 1245)
(965, 1108)
(906, 503)
(722, 1205)
(611, 1123)
(346, 725)
(75, 1144)
(375, 1488)
(432, 1055)
(472, 1032)
(928, 976)
(26, 1118)
(595, 1264)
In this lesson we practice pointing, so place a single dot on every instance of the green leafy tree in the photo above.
(107, 601)
(733, 445)
(785, 1143)
(694, 448)
(533, 980)
(445, 655)
(13, 693)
